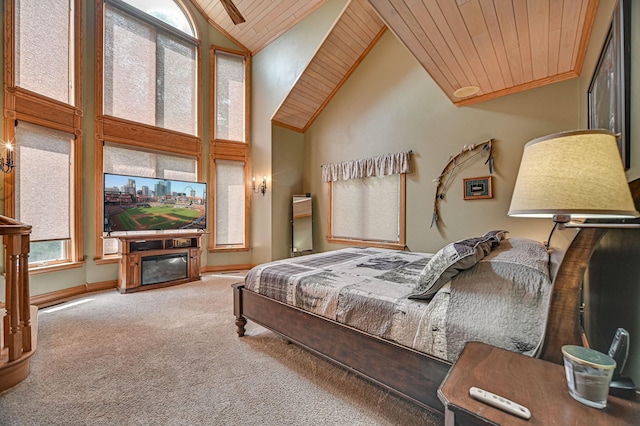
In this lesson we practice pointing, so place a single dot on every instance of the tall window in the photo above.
(150, 70)
(43, 193)
(230, 195)
(230, 97)
(43, 117)
(43, 31)
(230, 158)
(147, 118)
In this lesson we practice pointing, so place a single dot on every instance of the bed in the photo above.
(412, 358)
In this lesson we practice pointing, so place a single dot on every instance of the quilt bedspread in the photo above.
(501, 301)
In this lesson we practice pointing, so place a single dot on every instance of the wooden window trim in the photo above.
(25, 105)
(64, 266)
(399, 245)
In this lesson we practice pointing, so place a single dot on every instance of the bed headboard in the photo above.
(564, 322)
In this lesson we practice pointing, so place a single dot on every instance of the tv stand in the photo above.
(152, 261)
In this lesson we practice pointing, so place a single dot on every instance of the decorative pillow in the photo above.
(448, 262)
(495, 237)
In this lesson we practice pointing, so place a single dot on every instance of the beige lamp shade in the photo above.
(576, 173)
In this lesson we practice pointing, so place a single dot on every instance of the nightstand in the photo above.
(538, 385)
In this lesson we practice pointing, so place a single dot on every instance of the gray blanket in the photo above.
(501, 301)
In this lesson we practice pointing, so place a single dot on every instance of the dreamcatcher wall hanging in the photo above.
(443, 182)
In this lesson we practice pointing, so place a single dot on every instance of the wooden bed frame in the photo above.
(411, 374)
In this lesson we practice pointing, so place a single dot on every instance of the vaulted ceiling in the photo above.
(265, 20)
(473, 49)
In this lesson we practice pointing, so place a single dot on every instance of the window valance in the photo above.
(382, 165)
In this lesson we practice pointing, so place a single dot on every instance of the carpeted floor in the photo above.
(170, 356)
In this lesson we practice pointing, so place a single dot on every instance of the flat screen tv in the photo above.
(135, 203)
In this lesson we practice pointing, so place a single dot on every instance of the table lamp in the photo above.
(573, 175)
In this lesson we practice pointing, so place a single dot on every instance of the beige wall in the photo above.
(391, 104)
(275, 70)
(287, 170)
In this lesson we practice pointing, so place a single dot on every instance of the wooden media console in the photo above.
(161, 260)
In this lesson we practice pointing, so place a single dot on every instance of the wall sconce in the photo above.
(262, 187)
(7, 159)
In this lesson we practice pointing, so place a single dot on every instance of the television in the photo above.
(136, 203)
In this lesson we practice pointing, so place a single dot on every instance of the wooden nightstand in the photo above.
(538, 385)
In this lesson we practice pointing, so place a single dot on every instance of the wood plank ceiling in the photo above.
(265, 20)
(353, 35)
(500, 47)
(497, 46)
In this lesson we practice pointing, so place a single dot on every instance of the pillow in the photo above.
(495, 237)
(449, 261)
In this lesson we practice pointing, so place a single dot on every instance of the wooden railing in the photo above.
(17, 342)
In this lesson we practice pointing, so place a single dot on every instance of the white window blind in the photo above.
(43, 181)
(230, 203)
(177, 100)
(123, 160)
(366, 209)
(230, 97)
(130, 68)
(149, 76)
(43, 34)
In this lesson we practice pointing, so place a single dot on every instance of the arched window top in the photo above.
(167, 11)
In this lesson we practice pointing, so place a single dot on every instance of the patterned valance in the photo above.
(382, 165)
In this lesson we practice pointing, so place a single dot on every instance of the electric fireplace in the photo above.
(163, 268)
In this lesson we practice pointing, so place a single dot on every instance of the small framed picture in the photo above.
(477, 188)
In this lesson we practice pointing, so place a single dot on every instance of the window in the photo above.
(44, 192)
(230, 97)
(367, 200)
(367, 209)
(229, 201)
(167, 11)
(46, 107)
(230, 150)
(147, 118)
(43, 31)
(370, 210)
(126, 160)
(150, 70)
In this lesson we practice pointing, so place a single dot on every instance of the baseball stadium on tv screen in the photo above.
(134, 203)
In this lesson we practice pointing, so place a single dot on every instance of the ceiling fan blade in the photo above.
(233, 11)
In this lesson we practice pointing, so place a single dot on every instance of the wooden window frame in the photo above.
(24, 105)
(399, 245)
(131, 133)
(221, 149)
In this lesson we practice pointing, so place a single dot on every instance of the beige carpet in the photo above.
(170, 356)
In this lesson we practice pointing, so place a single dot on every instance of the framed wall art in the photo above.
(477, 188)
(609, 100)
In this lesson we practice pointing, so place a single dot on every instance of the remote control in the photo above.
(499, 402)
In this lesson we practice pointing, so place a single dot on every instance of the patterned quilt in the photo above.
(501, 301)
